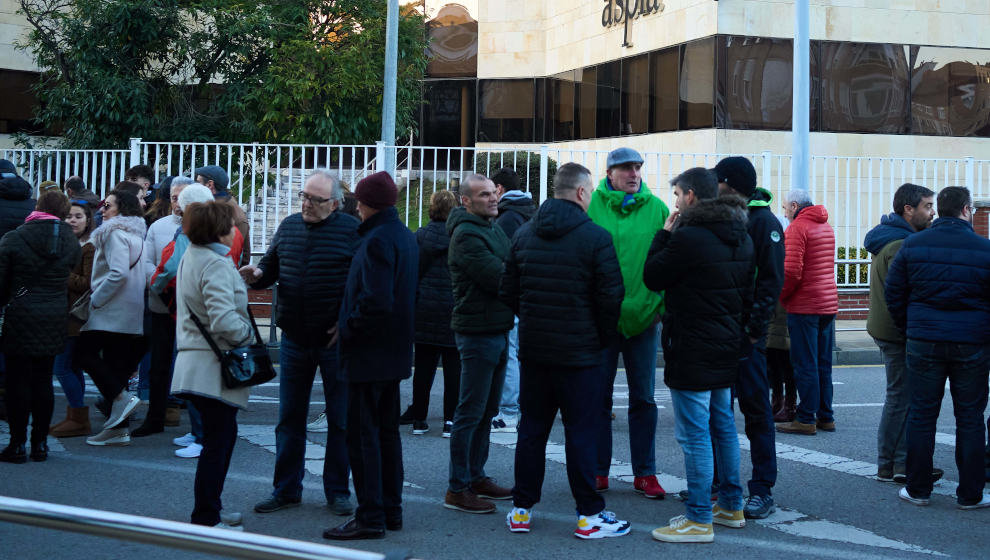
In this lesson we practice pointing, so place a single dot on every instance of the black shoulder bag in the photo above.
(244, 366)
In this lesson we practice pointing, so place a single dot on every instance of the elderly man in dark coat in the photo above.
(375, 328)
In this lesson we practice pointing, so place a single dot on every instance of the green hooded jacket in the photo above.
(633, 226)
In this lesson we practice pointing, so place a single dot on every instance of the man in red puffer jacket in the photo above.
(812, 300)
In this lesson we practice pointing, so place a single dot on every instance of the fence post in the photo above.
(766, 172)
(135, 158)
(380, 163)
(544, 180)
(970, 174)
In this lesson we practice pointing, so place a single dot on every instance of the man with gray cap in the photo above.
(217, 180)
(625, 207)
(737, 176)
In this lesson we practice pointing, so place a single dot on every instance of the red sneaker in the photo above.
(649, 487)
(601, 483)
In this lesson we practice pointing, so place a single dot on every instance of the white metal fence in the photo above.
(265, 178)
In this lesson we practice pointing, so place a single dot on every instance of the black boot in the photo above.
(39, 451)
(147, 428)
(14, 453)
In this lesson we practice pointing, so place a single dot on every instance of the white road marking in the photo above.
(856, 405)
(54, 445)
(784, 520)
(841, 464)
(264, 437)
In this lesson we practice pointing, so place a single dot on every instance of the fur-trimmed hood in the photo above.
(725, 216)
(133, 225)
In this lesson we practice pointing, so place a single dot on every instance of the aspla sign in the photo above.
(623, 12)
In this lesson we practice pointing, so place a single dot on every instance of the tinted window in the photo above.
(609, 95)
(664, 66)
(755, 83)
(696, 84)
(505, 110)
(864, 87)
(561, 106)
(950, 92)
(587, 102)
(635, 95)
(448, 113)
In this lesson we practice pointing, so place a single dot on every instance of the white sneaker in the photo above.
(319, 425)
(223, 525)
(191, 451)
(907, 497)
(985, 502)
(233, 518)
(184, 441)
(600, 526)
(111, 437)
(123, 406)
(503, 424)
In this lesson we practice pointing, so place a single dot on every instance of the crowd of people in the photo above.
(527, 308)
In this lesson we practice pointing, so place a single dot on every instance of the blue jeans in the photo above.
(639, 355)
(298, 371)
(892, 433)
(811, 355)
(753, 391)
(510, 390)
(483, 358)
(701, 419)
(929, 364)
(70, 378)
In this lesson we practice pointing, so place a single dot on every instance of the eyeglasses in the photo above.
(312, 199)
(105, 206)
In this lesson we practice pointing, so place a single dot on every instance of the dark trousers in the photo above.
(375, 451)
(298, 372)
(577, 393)
(109, 359)
(753, 391)
(29, 395)
(483, 359)
(811, 355)
(160, 374)
(427, 357)
(219, 437)
(929, 364)
(780, 373)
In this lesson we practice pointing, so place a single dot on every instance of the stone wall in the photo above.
(13, 27)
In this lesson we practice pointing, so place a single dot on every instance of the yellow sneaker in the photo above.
(682, 529)
(728, 518)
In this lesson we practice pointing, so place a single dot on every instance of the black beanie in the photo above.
(738, 173)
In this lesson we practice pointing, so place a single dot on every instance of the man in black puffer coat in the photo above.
(703, 259)
(563, 280)
(15, 198)
(309, 257)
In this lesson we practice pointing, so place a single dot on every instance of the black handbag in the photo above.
(243, 366)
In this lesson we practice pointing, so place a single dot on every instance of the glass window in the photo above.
(864, 87)
(755, 83)
(696, 84)
(448, 113)
(561, 107)
(664, 66)
(505, 110)
(635, 95)
(453, 46)
(609, 95)
(16, 112)
(586, 102)
(950, 93)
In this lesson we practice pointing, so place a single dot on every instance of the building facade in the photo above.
(889, 78)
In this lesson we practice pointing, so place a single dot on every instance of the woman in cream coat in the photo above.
(209, 287)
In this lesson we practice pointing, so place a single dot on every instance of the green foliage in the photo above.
(526, 164)
(859, 273)
(219, 70)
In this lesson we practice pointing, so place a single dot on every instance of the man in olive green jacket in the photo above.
(481, 325)
(625, 207)
(913, 211)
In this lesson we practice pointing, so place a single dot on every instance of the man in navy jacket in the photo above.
(376, 328)
(937, 293)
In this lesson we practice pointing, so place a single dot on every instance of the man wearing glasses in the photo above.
(309, 257)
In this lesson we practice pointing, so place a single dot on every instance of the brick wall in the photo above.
(981, 221)
(260, 296)
(859, 299)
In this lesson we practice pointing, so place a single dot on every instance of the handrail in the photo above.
(174, 534)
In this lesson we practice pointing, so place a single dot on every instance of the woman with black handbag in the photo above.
(71, 379)
(35, 261)
(210, 289)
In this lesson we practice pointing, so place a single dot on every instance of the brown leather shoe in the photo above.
(486, 488)
(796, 427)
(825, 426)
(467, 501)
(172, 416)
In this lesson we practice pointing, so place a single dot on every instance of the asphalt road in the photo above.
(830, 506)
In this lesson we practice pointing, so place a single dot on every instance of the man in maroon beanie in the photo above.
(375, 330)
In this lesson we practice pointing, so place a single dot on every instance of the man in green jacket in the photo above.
(625, 207)
(481, 325)
(913, 211)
